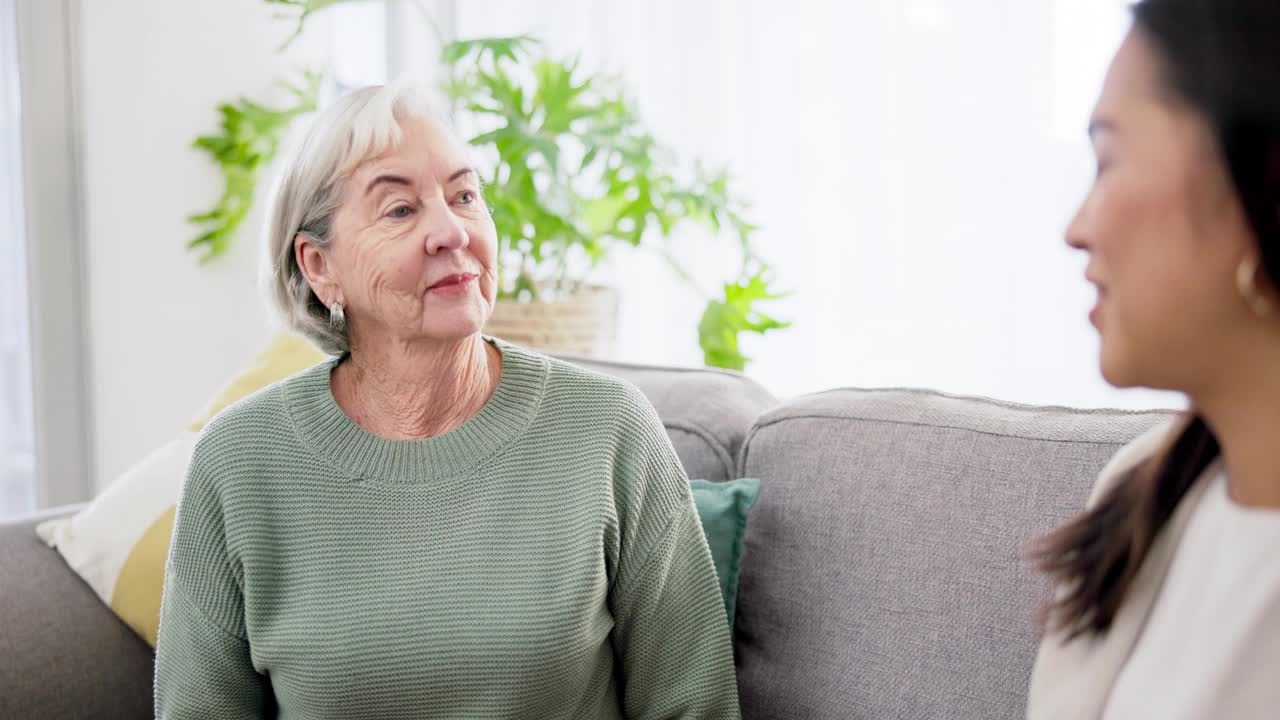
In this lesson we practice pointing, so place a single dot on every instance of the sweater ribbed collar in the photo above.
(360, 454)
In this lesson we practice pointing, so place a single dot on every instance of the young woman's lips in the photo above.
(453, 284)
(1097, 307)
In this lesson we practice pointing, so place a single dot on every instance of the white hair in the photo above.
(356, 127)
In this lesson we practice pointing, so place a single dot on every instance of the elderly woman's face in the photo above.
(414, 251)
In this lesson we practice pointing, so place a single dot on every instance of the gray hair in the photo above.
(356, 127)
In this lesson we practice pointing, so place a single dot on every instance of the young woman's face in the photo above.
(1164, 230)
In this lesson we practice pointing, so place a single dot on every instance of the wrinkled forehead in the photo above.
(401, 134)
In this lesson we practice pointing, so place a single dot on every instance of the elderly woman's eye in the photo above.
(466, 197)
(400, 212)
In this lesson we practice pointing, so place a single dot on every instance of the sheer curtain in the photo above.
(912, 163)
(17, 453)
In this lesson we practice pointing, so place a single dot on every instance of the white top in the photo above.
(1210, 648)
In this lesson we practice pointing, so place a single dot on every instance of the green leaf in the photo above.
(250, 137)
(306, 9)
(725, 319)
(511, 48)
(601, 215)
(589, 157)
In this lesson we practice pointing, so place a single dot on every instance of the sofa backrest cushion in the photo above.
(706, 412)
(883, 575)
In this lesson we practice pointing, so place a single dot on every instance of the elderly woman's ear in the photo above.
(314, 264)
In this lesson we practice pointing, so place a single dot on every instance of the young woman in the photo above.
(1168, 587)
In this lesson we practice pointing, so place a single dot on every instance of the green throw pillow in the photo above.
(723, 509)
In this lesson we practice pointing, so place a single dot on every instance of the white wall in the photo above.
(165, 332)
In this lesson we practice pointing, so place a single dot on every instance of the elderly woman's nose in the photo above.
(445, 232)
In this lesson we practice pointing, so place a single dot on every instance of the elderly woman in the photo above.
(433, 523)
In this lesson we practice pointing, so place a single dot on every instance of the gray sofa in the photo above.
(883, 575)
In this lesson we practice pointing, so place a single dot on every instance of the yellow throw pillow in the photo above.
(119, 542)
(287, 354)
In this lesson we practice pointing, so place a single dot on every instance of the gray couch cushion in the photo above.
(883, 575)
(707, 412)
(63, 654)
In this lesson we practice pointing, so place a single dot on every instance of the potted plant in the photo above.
(573, 179)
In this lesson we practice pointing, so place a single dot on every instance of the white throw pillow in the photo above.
(119, 543)
(120, 539)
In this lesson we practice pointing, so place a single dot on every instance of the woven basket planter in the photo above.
(583, 324)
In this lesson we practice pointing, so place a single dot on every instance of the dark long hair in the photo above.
(1220, 58)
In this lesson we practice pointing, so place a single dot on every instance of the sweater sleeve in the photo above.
(671, 635)
(203, 665)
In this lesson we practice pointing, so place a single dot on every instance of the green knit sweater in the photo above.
(543, 560)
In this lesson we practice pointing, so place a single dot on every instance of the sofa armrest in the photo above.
(63, 654)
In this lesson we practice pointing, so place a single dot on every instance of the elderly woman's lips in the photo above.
(453, 283)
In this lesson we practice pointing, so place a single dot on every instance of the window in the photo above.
(17, 451)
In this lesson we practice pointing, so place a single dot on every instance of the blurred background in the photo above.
(906, 167)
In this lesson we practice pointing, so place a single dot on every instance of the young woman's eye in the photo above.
(466, 197)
